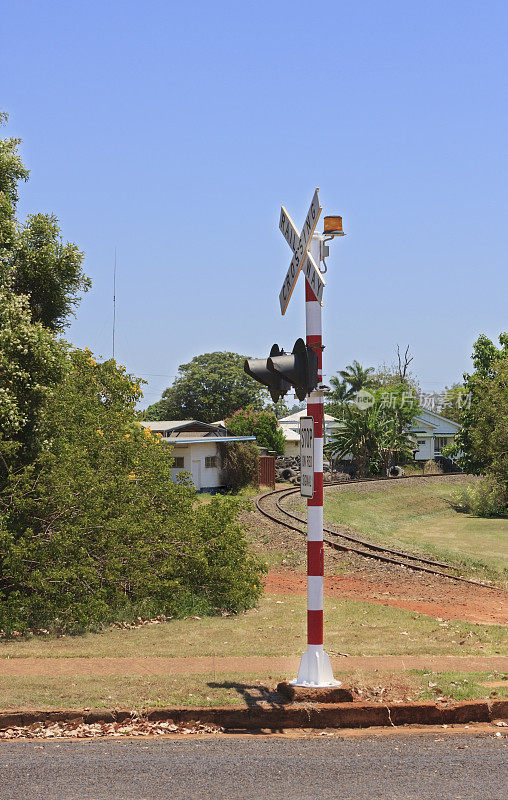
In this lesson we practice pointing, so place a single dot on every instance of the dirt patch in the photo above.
(426, 594)
(201, 665)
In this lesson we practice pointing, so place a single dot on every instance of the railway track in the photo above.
(353, 544)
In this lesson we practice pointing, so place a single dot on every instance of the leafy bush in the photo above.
(239, 464)
(261, 424)
(486, 498)
(481, 446)
(95, 529)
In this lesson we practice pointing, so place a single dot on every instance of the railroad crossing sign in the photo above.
(307, 456)
(299, 243)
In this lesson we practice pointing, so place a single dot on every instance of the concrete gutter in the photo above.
(277, 717)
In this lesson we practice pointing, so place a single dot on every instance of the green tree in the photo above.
(48, 271)
(34, 262)
(358, 435)
(336, 399)
(455, 400)
(210, 387)
(345, 386)
(31, 364)
(488, 434)
(12, 171)
(91, 525)
(31, 358)
(340, 393)
(261, 424)
(482, 442)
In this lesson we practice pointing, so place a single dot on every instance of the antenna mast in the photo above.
(114, 304)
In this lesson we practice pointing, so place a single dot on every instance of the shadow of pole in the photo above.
(253, 695)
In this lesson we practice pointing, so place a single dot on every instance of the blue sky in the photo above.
(174, 132)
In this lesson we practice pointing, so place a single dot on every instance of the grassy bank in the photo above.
(420, 517)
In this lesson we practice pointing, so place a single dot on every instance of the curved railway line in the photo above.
(354, 544)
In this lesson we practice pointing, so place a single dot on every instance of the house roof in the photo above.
(185, 428)
(184, 441)
(303, 413)
(167, 424)
(440, 417)
(192, 431)
(419, 420)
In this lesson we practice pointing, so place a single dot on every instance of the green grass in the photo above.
(231, 689)
(245, 493)
(130, 691)
(459, 685)
(413, 468)
(420, 518)
(277, 628)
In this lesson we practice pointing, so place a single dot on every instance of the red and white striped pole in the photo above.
(315, 668)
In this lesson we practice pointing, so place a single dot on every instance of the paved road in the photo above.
(428, 767)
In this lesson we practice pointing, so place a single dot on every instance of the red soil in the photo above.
(426, 594)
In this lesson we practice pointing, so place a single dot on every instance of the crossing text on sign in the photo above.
(302, 259)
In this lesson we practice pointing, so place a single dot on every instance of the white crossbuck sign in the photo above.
(299, 243)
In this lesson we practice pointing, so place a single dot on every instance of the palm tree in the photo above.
(372, 436)
(358, 377)
(340, 391)
(358, 434)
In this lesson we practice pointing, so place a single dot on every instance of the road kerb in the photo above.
(278, 717)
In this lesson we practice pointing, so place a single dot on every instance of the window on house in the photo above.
(178, 462)
(421, 441)
(210, 461)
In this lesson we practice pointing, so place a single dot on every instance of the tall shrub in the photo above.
(261, 424)
(95, 528)
(239, 462)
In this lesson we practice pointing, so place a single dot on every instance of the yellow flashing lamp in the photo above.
(333, 226)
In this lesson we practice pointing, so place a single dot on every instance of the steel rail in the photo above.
(365, 542)
(377, 552)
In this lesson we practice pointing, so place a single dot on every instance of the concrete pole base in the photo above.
(315, 669)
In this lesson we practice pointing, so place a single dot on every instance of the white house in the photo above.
(292, 423)
(432, 432)
(196, 449)
(292, 445)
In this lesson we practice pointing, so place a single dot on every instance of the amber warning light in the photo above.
(333, 226)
